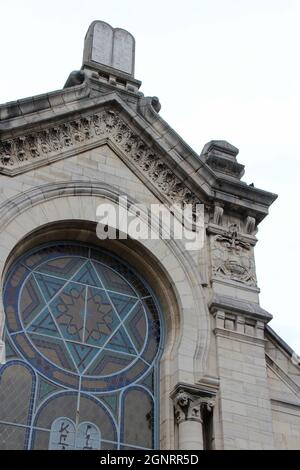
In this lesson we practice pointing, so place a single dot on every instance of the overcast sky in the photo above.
(222, 69)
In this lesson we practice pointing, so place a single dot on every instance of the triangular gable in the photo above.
(111, 123)
(40, 130)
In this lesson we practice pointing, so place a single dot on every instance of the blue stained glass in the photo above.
(112, 401)
(49, 286)
(82, 354)
(122, 303)
(45, 388)
(101, 319)
(31, 300)
(121, 342)
(88, 276)
(83, 325)
(67, 309)
(43, 324)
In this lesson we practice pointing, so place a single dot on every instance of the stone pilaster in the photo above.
(244, 396)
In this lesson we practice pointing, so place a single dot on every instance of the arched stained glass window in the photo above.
(89, 329)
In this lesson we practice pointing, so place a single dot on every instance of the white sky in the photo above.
(222, 69)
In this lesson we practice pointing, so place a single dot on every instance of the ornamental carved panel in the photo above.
(44, 146)
(232, 257)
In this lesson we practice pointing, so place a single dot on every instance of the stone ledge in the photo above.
(214, 229)
(284, 406)
(201, 390)
(232, 283)
(45, 101)
(228, 304)
(278, 340)
(242, 337)
(277, 370)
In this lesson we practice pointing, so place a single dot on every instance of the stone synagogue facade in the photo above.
(130, 343)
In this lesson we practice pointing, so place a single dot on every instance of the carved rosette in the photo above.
(49, 144)
(188, 407)
(232, 257)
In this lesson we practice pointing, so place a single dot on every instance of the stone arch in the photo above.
(56, 210)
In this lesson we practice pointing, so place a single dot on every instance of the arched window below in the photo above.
(89, 328)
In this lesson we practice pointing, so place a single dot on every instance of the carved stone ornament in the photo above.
(232, 257)
(231, 239)
(190, 407)
(182, 403)
(236, 271)
(52, 143)
(208, 403)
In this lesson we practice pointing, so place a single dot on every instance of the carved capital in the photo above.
(182, 405)
(207, 403)
(189, 407)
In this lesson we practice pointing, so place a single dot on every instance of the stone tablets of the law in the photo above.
(111, 47)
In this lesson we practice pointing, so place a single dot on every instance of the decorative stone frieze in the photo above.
(51, 143)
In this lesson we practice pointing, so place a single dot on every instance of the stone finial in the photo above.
(220, 156)
(109, 47)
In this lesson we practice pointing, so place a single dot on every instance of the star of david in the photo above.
(85, 325)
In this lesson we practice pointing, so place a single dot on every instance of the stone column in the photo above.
(189, 417)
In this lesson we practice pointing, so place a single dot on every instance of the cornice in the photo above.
(29, 110)
(277, 370)
(272, 336)
(236, 195)
(231, 305)
(21, 120)
(197, 390)
(43, 146)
